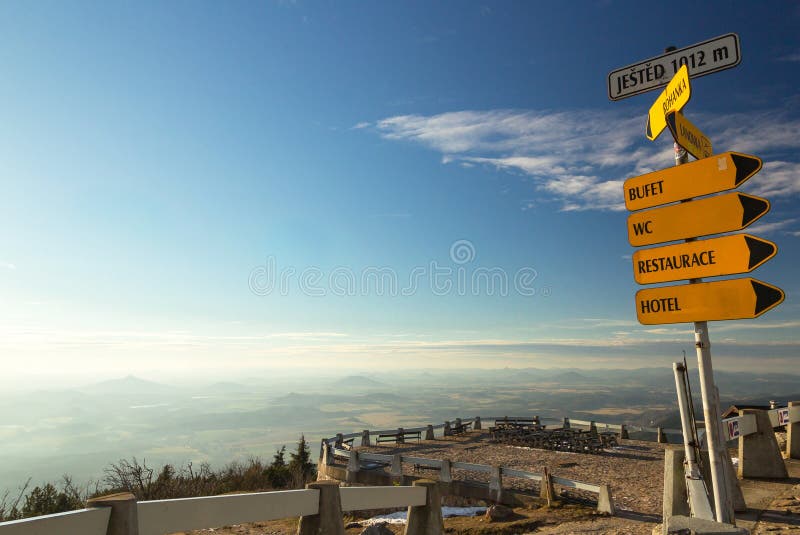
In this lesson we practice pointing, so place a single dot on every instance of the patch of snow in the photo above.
(400, 516)
(447, 512)
(392, 518)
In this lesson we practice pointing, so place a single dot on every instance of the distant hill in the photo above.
(358, 381)
(571, 378)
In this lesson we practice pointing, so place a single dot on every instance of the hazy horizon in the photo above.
(79, 430)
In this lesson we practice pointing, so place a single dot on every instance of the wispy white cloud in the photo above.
(563, 151)
(760, 325)
(580, 158)
(793, 57)
(766, 228)
(362, 124)
(777, 178)
(752, 132)
(7, 265)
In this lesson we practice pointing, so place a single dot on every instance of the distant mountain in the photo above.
(571, 378)
(358, 381)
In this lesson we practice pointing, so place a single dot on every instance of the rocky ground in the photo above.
(782, 515)
(634, 469)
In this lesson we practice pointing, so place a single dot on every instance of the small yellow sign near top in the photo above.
(673, 98)
(689, 136)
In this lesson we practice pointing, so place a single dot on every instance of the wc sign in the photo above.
(733, 429)
(783, 416)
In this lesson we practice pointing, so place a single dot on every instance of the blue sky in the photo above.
(160, 160)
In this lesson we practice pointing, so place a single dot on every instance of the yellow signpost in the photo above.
(688, 135)
(708, 301)
(697, 302)
(738, 253)
(710, 175)
(673, 98)
(702, 217)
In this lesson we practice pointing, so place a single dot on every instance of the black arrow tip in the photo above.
(766, 296)
(746, 166)
(753, 208)
(671, 122)
(760, 250)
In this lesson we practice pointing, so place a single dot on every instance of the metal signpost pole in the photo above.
(711, 411)
(711, 415)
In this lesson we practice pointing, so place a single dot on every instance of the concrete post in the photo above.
(400, 438)
(445, 471)
(365, 438)
(429, 432)
(328, 457)
(661, 438)
(447, 430)
(592, 428)
(397, 466)
(759, 454)
(734, 489)
(328, 521)
(322, 447)
(605, 502)
(339, 440)
(623, 433)
(565, 425)
(496, 485)
(124, 519)
(676, 500)
(476, 425)
(678, 525)
(546, 490)
(426, 519)
(352, 468)
(322, 469)
(793, 435)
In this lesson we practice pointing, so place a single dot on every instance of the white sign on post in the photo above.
(783, 416)
(708, 57)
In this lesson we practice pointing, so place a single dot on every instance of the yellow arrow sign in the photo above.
(708, 301)
(710, 175)
(688, 135)
(714, 215)
(739, 253)
(673, 98)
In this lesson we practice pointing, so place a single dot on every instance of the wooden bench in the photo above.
(517, 423)
(399, 437)
(459, 429)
